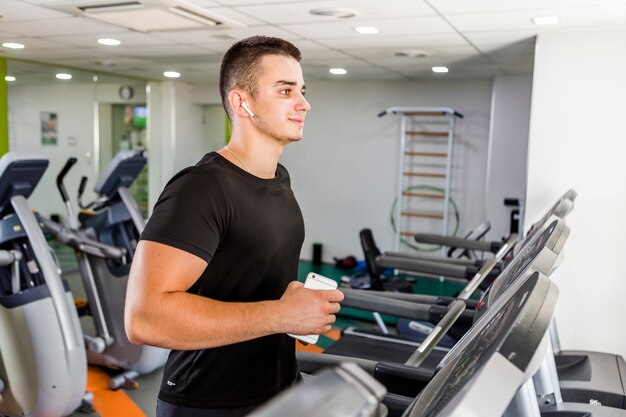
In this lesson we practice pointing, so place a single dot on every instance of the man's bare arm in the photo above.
(159, 312)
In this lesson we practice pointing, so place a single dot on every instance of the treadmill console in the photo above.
(499, 357)
(19, 175)
(121, 172)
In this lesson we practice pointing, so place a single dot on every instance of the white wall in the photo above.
(175, 131)
(75, 105)
(344, 171)
(577, 140)
(189, 141)
(213, 127)
(508, 147)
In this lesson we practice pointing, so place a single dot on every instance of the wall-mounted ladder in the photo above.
(425, 170)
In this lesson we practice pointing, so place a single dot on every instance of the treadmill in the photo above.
(501, 353)
(342, 391)
(586, 377)
(43, 369)
(481, 376)
(561, 208)
(538, 252)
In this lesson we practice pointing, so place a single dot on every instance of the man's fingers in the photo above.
(335, 307)
(334, 296)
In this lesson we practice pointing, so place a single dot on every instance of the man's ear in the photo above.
(236, 99)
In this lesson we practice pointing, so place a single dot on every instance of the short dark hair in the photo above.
(241, 65)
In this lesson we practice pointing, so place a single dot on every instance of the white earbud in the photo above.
(246, 108)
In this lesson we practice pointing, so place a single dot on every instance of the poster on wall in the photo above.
(48, 128)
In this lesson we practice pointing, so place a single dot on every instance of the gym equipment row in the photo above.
(524, 375)
(43, 351)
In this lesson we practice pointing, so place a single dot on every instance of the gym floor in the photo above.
(142, 401)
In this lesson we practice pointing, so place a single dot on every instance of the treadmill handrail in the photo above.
(427, 267)
(310, 362)
(414, 298)
(430, 258)
(507, 246)
(52, 278)
(480, 276)
(454, 312)
(133, 209)
(471, 244)
(80, 242)
(400, 308)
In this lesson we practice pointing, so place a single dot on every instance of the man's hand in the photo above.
(305, 311)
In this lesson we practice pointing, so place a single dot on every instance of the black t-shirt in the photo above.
(250, 231)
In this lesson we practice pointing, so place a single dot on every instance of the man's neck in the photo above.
(258, 155)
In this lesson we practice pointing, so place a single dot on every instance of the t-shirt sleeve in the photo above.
(190, 214)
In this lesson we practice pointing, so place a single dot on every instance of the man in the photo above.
(212, 277)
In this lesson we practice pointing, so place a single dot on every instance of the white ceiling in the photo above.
(474, 38)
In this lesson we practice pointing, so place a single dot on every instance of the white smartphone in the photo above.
(315, 282)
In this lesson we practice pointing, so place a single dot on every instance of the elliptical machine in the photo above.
(115, 220)
(43, 368)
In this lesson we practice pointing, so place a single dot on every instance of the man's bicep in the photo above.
(158, 268)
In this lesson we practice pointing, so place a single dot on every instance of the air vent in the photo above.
(111, 7)
(411, 53)
(198, 17)
(147, 15)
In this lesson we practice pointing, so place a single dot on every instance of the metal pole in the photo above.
(446, 207)
(400, 182)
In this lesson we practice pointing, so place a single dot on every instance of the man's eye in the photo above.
(284, 92)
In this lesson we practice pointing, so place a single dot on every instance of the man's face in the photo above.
(279, 106)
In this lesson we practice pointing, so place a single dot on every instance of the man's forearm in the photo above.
(184, 321)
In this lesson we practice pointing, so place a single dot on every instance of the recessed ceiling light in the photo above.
(13, 45)
(171, 74)
(109, 42)
(64, 76)
(411, 53)
(440, 69)
(546, 20)
(338, 13)
(9, 78)
(367, 30)
(95, 78)
(338, 71)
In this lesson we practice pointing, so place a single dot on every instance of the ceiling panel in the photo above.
(479, 6)
(233, 3)
(299, 12)
(305, 45)
(405, 27)
(127, 38)
(60, 53)
(421, 41)
(224, 39)
(356, 74)
(497, 39)
(494, 36)
(65, 26)
(32, 43)
(326, 54)
(236, 15)
(160, 50)
(13, 10)
(218, 36)
(240, 33)
(522, 20)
